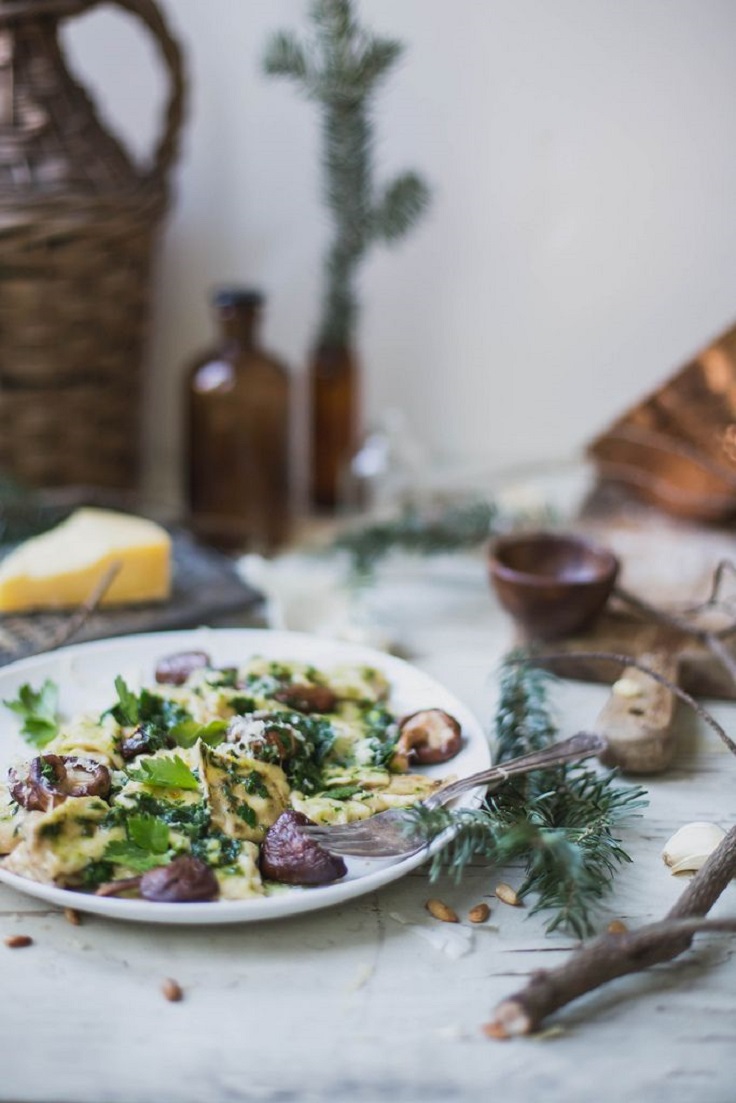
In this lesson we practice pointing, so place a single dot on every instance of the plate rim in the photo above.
(258, 909)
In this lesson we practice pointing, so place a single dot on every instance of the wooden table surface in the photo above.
(364, 1002)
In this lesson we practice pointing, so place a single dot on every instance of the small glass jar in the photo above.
(239, 399)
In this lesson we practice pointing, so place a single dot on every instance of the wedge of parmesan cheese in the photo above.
(60, 568)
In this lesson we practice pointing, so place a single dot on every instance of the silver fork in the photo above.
(390, 833)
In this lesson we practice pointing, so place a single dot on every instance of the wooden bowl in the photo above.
(552, 585)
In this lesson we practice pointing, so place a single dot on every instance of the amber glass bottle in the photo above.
(238, 454)
(333, 402)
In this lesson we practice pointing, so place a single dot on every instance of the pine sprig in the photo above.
(558, 822)
(453, 528)
(340, 67)
(524, 721)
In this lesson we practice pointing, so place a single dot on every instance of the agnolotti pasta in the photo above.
(171, 792)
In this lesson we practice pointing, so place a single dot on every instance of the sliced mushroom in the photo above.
(52, 778)
(138, 742)
(185, 880)
(257, 735)
(306, 698)
(289, 857)
(117, 888)
(427, 737)
(275, 745)
(173, 670)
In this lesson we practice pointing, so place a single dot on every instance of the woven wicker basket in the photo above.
(77, 226)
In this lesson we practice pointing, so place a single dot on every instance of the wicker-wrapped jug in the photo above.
(78, 221)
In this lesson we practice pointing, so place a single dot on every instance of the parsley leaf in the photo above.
(38, 710)
(144, 848)
(125, 853)
(165, 773)
(241, 704)
(149, 833)
(188, 732)
(342, 792)
(126, 711)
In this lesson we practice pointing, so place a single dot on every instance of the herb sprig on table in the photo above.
(559, 822)
(421, 532)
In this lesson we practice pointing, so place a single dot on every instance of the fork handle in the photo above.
(577, 747)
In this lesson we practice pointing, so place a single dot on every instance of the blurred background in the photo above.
(580, 241)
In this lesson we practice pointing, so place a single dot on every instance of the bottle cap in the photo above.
(237, 296)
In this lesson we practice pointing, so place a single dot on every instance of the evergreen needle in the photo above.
(558, 823)
(447, 529)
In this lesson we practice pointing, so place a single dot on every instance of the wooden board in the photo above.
(206, 590)
(670, 563)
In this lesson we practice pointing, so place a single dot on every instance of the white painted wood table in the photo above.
(360, 1003)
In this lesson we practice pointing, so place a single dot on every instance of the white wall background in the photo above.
(582, 238)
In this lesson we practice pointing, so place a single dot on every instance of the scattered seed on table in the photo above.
(442, 911)
(495, 1031)
(72, 917)
(507, 895)
(479, 913)
(172, 991)
(18, 941)
(617, 926)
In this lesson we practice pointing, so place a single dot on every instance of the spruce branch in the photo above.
(284, 57)
(559, 822)
(403, 204)
(377, 59)
(340, 67)
(611, 955)
(420, 532)
(615, 955)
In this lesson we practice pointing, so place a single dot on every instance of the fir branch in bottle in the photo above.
(340, 68)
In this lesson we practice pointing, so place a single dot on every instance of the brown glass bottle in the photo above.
(238, 439)
(333, 404)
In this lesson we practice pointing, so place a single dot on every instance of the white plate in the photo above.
(85, 676)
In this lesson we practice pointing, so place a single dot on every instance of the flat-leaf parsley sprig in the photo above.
(558, 822)
(39, 711)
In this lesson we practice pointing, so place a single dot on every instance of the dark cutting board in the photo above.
(668, 561)
(206, 590)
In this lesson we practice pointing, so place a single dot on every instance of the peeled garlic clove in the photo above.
(689, 847)
(627, 687)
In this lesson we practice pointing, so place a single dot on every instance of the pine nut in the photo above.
(496, 1031)
(72, 917)
(507, 895)
(172, 991)
(442, 911)
(479, 913)
(18, 941)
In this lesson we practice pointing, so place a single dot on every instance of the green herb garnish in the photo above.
(149, 833)
(165, 773)
(126, 711)
(145, 847)
(38, 710)
(254, 784)
(342, 792)
(188, 732)
(241, 705)
(247, 814)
